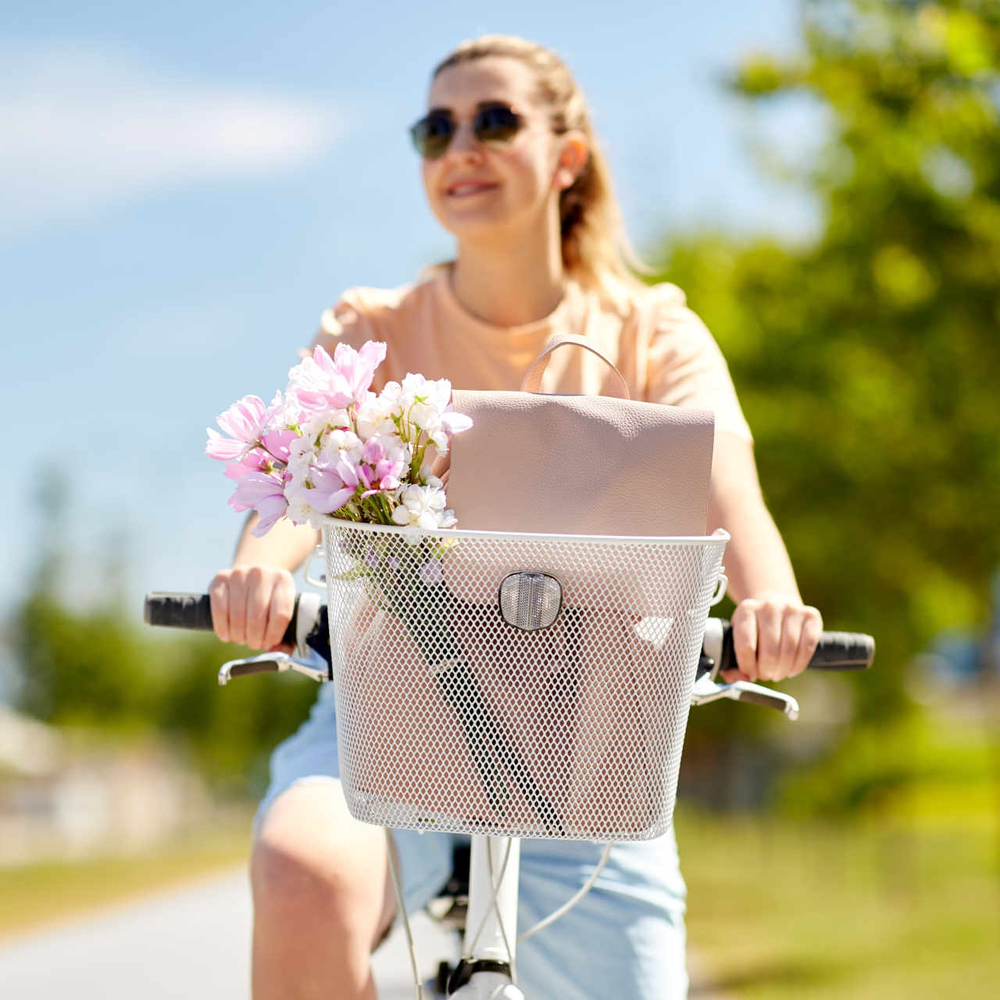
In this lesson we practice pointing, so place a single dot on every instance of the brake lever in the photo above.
(269, 663)
(706, 690)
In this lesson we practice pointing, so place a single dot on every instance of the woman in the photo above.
(511, 168)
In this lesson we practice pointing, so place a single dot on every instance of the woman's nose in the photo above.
(464, 142)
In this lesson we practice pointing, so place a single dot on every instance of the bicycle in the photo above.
(477, 647)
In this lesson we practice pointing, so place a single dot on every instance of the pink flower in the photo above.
(322, 382)
(265, 494)
(380, 471)
(332, 487)
(252, 461)
(277, 442)
(372, 451)
(244, 421)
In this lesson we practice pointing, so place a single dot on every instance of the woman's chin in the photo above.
(473, 224)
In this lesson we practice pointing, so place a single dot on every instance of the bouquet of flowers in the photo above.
(329, 448)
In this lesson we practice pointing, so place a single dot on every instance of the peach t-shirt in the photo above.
(664, 351)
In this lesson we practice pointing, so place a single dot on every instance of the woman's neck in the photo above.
(505, 284)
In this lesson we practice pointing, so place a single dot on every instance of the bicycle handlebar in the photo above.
(194, 611)
(835, 651)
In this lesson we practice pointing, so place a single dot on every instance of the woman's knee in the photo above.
(312, 861)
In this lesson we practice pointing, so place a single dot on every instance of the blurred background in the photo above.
(185, 189)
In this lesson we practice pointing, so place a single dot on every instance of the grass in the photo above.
(778, 908)
(880, 909)
(37, 894)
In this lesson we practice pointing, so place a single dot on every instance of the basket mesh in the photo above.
(451, 719)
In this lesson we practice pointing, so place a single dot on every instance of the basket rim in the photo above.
(719, 535)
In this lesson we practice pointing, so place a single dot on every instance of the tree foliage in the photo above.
(868, 360)
(99, 668)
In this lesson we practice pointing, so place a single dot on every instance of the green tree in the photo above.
(99, 667)
(868, 360)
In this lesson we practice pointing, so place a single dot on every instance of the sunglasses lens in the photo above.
(497, 124)
(432, 134)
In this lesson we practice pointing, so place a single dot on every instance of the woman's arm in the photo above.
(774, 633)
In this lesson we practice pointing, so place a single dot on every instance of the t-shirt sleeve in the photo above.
(349, 320)
(684, 366)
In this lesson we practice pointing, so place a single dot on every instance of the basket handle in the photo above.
(532, 381)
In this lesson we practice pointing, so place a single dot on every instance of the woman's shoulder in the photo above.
(363, 309)
(634, 300)
(659, 301)
(664, 311)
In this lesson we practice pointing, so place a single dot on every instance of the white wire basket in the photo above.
(515, 684)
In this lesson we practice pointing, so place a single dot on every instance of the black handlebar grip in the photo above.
(835, 651)
(843, 651)
(194, 611)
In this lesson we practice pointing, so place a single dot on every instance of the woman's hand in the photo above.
(253, 605)
(774, 637)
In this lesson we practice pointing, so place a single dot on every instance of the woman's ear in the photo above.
(572, 159)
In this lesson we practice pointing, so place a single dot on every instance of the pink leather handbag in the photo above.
(577, 464)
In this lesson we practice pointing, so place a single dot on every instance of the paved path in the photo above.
(182, 944)
(185, 943)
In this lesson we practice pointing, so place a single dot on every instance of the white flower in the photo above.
(337, 444)
(302, 513)
(284, 410)
(301, 454)
(422, 506)
(391, 397)
(375, 416)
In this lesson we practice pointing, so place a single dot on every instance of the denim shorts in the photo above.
(624, 939)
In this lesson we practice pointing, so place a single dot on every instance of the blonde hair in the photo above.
(595, 249)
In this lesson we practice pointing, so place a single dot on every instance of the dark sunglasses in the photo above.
(497, 123)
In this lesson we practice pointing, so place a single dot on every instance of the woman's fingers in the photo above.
(279, 612)
(812, 628)
(218, 596)
(258, 595)
(791, 635)
(252, 605)
(238, 606)
(744, 623)
(773, 638)
(769, 632)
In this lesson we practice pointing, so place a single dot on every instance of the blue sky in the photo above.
(186, 187)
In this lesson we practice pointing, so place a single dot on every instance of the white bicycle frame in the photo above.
(491, 923)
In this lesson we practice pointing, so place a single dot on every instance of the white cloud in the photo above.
(82, 128)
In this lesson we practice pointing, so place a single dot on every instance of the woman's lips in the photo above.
(468, 189)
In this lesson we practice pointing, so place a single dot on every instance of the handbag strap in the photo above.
(532, 381)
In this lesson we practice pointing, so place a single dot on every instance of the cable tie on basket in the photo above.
(444, 665)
